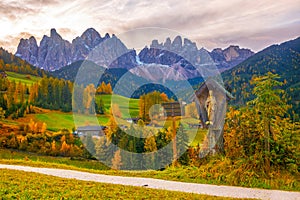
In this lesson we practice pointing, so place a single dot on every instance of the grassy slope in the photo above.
(28, 185)
(23, 78)
(123, 102)
(59, 120)
(204, 174)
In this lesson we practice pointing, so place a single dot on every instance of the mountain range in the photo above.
(173, 60)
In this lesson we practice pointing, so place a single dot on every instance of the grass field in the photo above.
(50, 160)
(128, 107)
(59, 120)
(23, 78)
(203, 174)
(56, 121)
(28, 185)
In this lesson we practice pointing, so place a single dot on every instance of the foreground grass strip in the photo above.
(29, 185)
(183, 174)
(221, 191)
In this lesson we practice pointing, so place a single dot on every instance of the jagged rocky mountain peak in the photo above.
(230, 56)
(54, 52)
(32, 40)
(177, 42)
(156, 45)
(90, 32)
(54, 34)
(107, 36)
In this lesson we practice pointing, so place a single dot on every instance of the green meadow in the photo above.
(23, 78)
(128, 107)
(27, 185)
(58, 120)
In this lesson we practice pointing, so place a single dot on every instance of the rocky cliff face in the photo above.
(54, 52)
(230, 57)
(169, 53)
(171, 60)
(28, 50)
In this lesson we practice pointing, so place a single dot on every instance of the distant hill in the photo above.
(123, 78)
(12, 63)
(283, 59)
(9, 58)
(107, 75)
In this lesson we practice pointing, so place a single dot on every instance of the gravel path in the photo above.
(214, 190)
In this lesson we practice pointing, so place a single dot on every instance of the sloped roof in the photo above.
(90, 128)
(211, 83)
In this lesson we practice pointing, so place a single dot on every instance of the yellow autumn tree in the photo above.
(53, 148)
(43, 128)
(164, 97)
(65, 148)
(150, 144)
(88, 96)
(112, 128)
(117, 160)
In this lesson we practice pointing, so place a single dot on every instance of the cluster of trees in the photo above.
(23, 69)
(262, 134)
(137, 140)
(52, 93)
(9, 62)
(17, 99)
(33, 137)
(84, 99)
(148, 101)
(13, 98)
(104, 88)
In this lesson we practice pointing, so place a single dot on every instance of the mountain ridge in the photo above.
(54, 52)
(282, 59)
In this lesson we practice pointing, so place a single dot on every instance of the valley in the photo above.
(111, 120)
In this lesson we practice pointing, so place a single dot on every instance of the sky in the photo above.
(253, 24)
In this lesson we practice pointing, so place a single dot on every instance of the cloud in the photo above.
(13, 11)
(212, 23)
(40, 3)
(9, 43)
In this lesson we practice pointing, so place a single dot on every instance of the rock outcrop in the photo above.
(230, 57)
(54, 52)
(174, 60)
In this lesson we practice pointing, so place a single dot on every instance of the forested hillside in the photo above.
(9, 62)
(283, 59)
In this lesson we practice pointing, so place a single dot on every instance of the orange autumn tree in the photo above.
(147, 101)
(104, 88)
